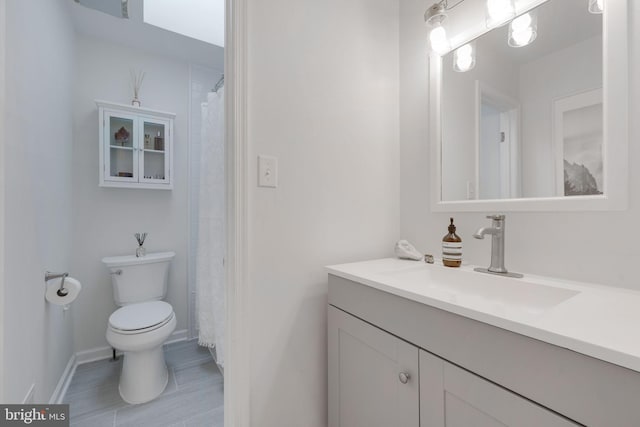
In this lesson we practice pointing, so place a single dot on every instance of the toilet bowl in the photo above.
(143, 323)
(139, 330)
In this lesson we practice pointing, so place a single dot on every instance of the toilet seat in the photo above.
(141, 317)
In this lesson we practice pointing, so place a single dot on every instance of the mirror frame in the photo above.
(616, 122)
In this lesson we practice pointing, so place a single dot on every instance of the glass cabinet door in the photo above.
(154, 162)
(121, 158)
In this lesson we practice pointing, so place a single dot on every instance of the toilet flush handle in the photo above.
(116, 272)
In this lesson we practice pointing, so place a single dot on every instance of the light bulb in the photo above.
(438, 39)
(521, 38)
(523, 30)
(596, 6)
(465, 50)
(463, 63)
(464, 58)
(499, 11)
(521, 23)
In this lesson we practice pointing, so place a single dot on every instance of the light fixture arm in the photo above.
(438, 11)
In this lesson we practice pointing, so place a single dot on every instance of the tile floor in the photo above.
(193, 397)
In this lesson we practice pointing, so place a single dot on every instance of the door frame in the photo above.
(237, 372)
(3, 67)
(237, 366)
(514, 169)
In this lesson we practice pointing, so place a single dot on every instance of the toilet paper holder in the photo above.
(48, 275)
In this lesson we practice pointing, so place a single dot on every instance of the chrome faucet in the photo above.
(497, 246)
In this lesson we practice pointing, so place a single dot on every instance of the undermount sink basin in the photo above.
(490, 293)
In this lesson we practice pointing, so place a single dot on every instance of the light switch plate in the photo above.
(471, 190)
(267, 171)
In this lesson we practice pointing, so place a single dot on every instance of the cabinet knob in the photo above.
(404, 377)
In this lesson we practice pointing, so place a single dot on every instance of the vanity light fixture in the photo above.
(434, 16)
(596, 6)
(523, 30)
(464, 58)
(499, 12)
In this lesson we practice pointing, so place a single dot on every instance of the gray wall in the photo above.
(107, 218)
(323, 98)
(38, 340)
(596, 247)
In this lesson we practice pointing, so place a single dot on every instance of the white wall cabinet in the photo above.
(136, 147)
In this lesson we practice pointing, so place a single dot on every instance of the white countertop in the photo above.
(595, 320)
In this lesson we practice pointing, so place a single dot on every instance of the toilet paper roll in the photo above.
(72, 286)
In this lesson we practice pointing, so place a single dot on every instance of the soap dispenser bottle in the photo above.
(452, 248)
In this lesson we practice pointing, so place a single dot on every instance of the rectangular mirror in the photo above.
(541, 126)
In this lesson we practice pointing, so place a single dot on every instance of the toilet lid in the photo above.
(141, 315)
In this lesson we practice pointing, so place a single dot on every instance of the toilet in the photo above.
(142, 323)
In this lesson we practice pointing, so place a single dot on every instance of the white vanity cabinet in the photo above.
(459, 372)
(377, 379)
(136, 147)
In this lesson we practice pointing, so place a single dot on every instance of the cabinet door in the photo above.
(453, 397)
(120, 148)
(155, 144)
(373, 376)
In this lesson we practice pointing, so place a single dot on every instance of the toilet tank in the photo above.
(139, 279)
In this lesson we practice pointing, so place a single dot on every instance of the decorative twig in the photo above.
(140, 238)
(136, 82)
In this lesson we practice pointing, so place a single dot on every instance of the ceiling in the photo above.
(200, 19)
(134, 32)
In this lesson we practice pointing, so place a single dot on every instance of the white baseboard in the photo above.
(100, 353)
(93, 354)
(176, 336)
(28, 398)
(65, 379)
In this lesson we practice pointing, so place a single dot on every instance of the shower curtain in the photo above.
(211, 220)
